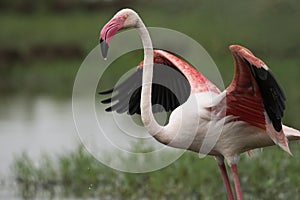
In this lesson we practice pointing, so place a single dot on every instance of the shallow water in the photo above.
(35, 126)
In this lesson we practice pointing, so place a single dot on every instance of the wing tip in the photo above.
(243, 52)
(109, 109)
(106, 92)
(106, 101)
(279, 138)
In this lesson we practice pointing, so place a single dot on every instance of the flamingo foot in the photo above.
(237, 185)
(226, 181)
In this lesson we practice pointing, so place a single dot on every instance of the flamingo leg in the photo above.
(236, 182)
(225, 178)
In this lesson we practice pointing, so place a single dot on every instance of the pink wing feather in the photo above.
(254, 96)
(198, 82)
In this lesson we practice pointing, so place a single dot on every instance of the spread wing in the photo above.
(173, 82)
(254, 95)
(169, 89)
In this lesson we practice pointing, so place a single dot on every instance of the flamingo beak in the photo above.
(104, 48)
(108, 31)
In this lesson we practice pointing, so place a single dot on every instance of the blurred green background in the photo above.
(44, 42)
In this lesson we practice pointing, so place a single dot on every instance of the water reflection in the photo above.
(35, 125)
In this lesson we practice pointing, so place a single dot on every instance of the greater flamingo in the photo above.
(251, 107)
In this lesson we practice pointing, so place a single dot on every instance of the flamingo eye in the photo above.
(125, 16)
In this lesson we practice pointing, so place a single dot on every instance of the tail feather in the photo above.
(279, 138)
(291, 133)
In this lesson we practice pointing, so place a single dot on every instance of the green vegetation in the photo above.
(270, 174)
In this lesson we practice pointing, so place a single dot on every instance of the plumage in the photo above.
(273, 96)
(170, 88)
(255, 96)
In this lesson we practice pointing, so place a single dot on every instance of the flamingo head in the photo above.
(125, 18)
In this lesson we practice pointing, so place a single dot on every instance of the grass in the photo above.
(268, 27)
(40, 77)
(32, 178)
(22, 32)
(270, 174)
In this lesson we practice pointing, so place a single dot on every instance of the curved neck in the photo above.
(146, 106)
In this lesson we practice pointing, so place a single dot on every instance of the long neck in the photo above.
(146, 107)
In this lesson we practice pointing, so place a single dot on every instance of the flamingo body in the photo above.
(245, 126)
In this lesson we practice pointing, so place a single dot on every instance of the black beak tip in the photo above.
(104, 48)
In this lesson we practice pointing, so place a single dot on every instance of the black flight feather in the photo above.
(272, 94)
(170, 88)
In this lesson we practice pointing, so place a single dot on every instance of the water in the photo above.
(35, 125)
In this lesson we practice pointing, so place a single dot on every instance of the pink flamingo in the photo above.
(251, 107)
